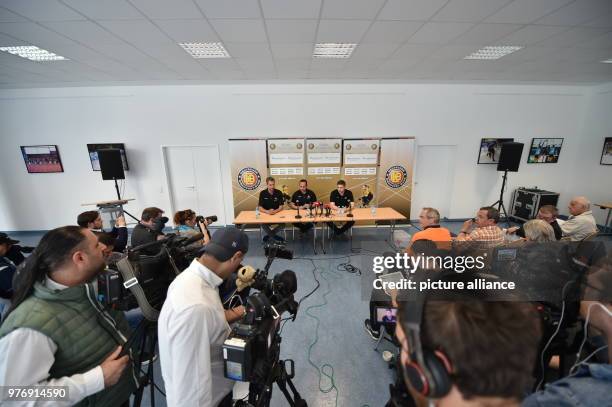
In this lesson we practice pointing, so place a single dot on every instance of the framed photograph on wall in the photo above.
(544, 150)
(42, 159)
(92, 149)
(606, 154)
(490, 149)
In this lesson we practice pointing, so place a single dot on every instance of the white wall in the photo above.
(149, 116)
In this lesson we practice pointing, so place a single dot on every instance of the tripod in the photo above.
(147, 350)
(500, 202)
(119, 198)
(261, 394)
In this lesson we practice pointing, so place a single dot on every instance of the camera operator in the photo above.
(193, 324)
(188, 224)
(57, 334)
(92, 220)
(149, 229)
(14, 252)
(7, 271)
(476, 352)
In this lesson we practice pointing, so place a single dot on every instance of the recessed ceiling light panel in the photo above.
(607, 61)
(33, 53)
(493, 52)
(200, 50)
(333, 50)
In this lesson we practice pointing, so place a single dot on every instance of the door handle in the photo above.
(191, 187)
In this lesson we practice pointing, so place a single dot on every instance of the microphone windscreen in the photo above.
(286, 282)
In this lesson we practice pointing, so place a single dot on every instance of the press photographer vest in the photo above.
(84, 333)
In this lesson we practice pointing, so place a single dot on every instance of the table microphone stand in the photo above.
(349, 213)
(298, 216)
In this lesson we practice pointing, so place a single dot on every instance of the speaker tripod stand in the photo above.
(500, 202)
(119, 199)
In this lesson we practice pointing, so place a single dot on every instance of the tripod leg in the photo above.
(138, 364)
(281, 385)
(150, 370)
(299, 401)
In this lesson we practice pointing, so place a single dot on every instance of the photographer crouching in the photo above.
(193, 325)
(57, 334)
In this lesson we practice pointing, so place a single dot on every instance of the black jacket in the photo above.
(558, 232)
(142, 235)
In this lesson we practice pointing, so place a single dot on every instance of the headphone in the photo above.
(429, 370)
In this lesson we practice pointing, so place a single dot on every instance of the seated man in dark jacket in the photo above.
(16, 252)
(149, 229)
(92, 220)
(7, 271)
(547, 213)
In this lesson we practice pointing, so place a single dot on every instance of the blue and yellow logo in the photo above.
(396, 176)
(249, 178)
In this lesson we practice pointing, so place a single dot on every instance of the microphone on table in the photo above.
(316, 206)
(349, 214)
(327, 210)
(298, 216)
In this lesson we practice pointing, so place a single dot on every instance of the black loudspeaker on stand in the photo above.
(111, 166)
(509, 160)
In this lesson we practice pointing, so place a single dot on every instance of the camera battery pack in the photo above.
(237, 357)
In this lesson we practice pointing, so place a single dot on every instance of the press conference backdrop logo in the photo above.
(249, 178)
(396, 176)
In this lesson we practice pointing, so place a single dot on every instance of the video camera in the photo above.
(252, 350)
(138, 280)
(159, 224)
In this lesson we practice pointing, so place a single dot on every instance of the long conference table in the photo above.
(287, 216)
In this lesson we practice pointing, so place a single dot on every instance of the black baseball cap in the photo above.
(5, 239)
(225, 243)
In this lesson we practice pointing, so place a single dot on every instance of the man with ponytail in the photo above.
(57, 334)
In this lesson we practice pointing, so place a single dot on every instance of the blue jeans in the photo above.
(590, 386)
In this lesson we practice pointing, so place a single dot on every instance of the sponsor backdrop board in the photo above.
(324, 165)
(360, 169)
(248, 169)
(286, 163)
(395, 174)
(385, 165)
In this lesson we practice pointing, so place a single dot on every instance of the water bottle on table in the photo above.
(257, 212)
(373, 210)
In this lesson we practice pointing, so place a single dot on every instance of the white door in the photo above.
(434, 179)
(194, 180)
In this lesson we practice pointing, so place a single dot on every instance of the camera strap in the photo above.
(131, 283)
